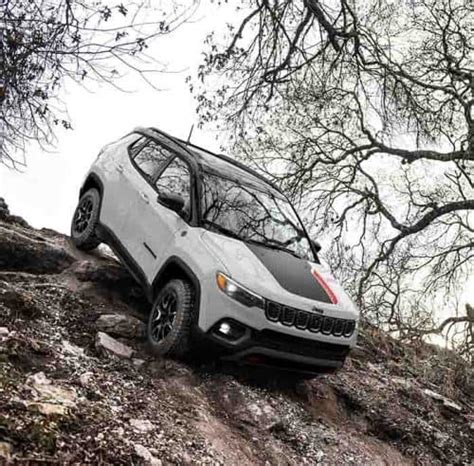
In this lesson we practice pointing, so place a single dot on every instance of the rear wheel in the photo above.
(171, 319)
(85, 220)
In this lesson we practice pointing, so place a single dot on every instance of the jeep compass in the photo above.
(220, 251)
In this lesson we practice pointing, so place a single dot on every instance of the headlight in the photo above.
(238, 292)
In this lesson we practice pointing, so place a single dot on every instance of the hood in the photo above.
(253, 265)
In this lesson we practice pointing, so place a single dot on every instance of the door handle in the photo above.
(145, 197)
(120, 168)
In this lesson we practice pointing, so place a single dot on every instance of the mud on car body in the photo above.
(220, 251)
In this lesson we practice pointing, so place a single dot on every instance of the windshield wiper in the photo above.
(221, 229)
(232, 234)
(277, 247)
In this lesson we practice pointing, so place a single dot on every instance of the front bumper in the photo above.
(276, 349)
(269, 342)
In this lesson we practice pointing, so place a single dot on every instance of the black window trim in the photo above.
(146, 142)
(191, 181)
(193, 219)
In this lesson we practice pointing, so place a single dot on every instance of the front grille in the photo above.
(301, 346)
(304, 320)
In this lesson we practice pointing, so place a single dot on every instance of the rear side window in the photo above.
(176, 179)
(149, 157)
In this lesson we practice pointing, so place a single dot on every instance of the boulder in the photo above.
(121, 325)
(108, 273)
(48, 398)
(142, 425)
(433, 394)
(45, 391)
(105, 343)
(20, 251)
(260, 415)
(5, 450)
(451, 406)
(71, 349)
(145, 454)
(48, 409)
(85, 378)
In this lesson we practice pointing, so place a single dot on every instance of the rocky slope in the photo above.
(77, 385)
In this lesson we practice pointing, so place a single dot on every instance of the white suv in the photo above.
(220, 252)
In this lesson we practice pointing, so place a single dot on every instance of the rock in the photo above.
(48, 409)
(22, 252)
(319, 455)
(403, 382)
(38, 379)
(4, 332)
(5, 449)
(433, 394)
(106, 273)
(260, 415)
(121, 325)
(4, 210)
(142, 425)
(71, 349)
(85, 378)
(19, 301)
(104, 342)
(45, 392)
(138, 362)
(451, 406)
(146, 455)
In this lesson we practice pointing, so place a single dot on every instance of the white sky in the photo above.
(46, 192)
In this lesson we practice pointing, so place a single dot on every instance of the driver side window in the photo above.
(176, 179)
(149, 158)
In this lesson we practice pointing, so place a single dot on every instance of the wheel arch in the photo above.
(175, 267)
(92, 181)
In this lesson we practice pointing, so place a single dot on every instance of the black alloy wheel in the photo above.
(85, 221)
(83, 214)
(163, 316)
(172, 319)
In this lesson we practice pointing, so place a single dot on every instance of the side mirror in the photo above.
(316, 245)
(173, 201)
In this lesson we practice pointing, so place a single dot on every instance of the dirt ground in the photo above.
(65, 399)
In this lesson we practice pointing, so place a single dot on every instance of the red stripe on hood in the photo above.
(318, 277)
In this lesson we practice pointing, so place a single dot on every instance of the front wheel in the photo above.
(171, 319)
(85, 220)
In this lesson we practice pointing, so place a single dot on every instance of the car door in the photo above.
(112, 164)
(146, 160)
(159, 224)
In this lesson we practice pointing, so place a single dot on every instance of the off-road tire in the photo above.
(179, 341)
(84, 235)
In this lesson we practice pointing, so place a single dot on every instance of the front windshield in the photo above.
(244, 212)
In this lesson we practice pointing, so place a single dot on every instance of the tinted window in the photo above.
(136, 147)
(176, 179)
(150, 158)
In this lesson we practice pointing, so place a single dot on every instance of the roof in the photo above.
(223, 165)
(228, 168)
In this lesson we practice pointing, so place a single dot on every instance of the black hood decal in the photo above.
(291, 273)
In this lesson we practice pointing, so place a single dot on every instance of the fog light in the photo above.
(225, 328)
(230, 330)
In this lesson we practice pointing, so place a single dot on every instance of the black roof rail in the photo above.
(185, 145)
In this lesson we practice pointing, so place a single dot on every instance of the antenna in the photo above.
(190, 134)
